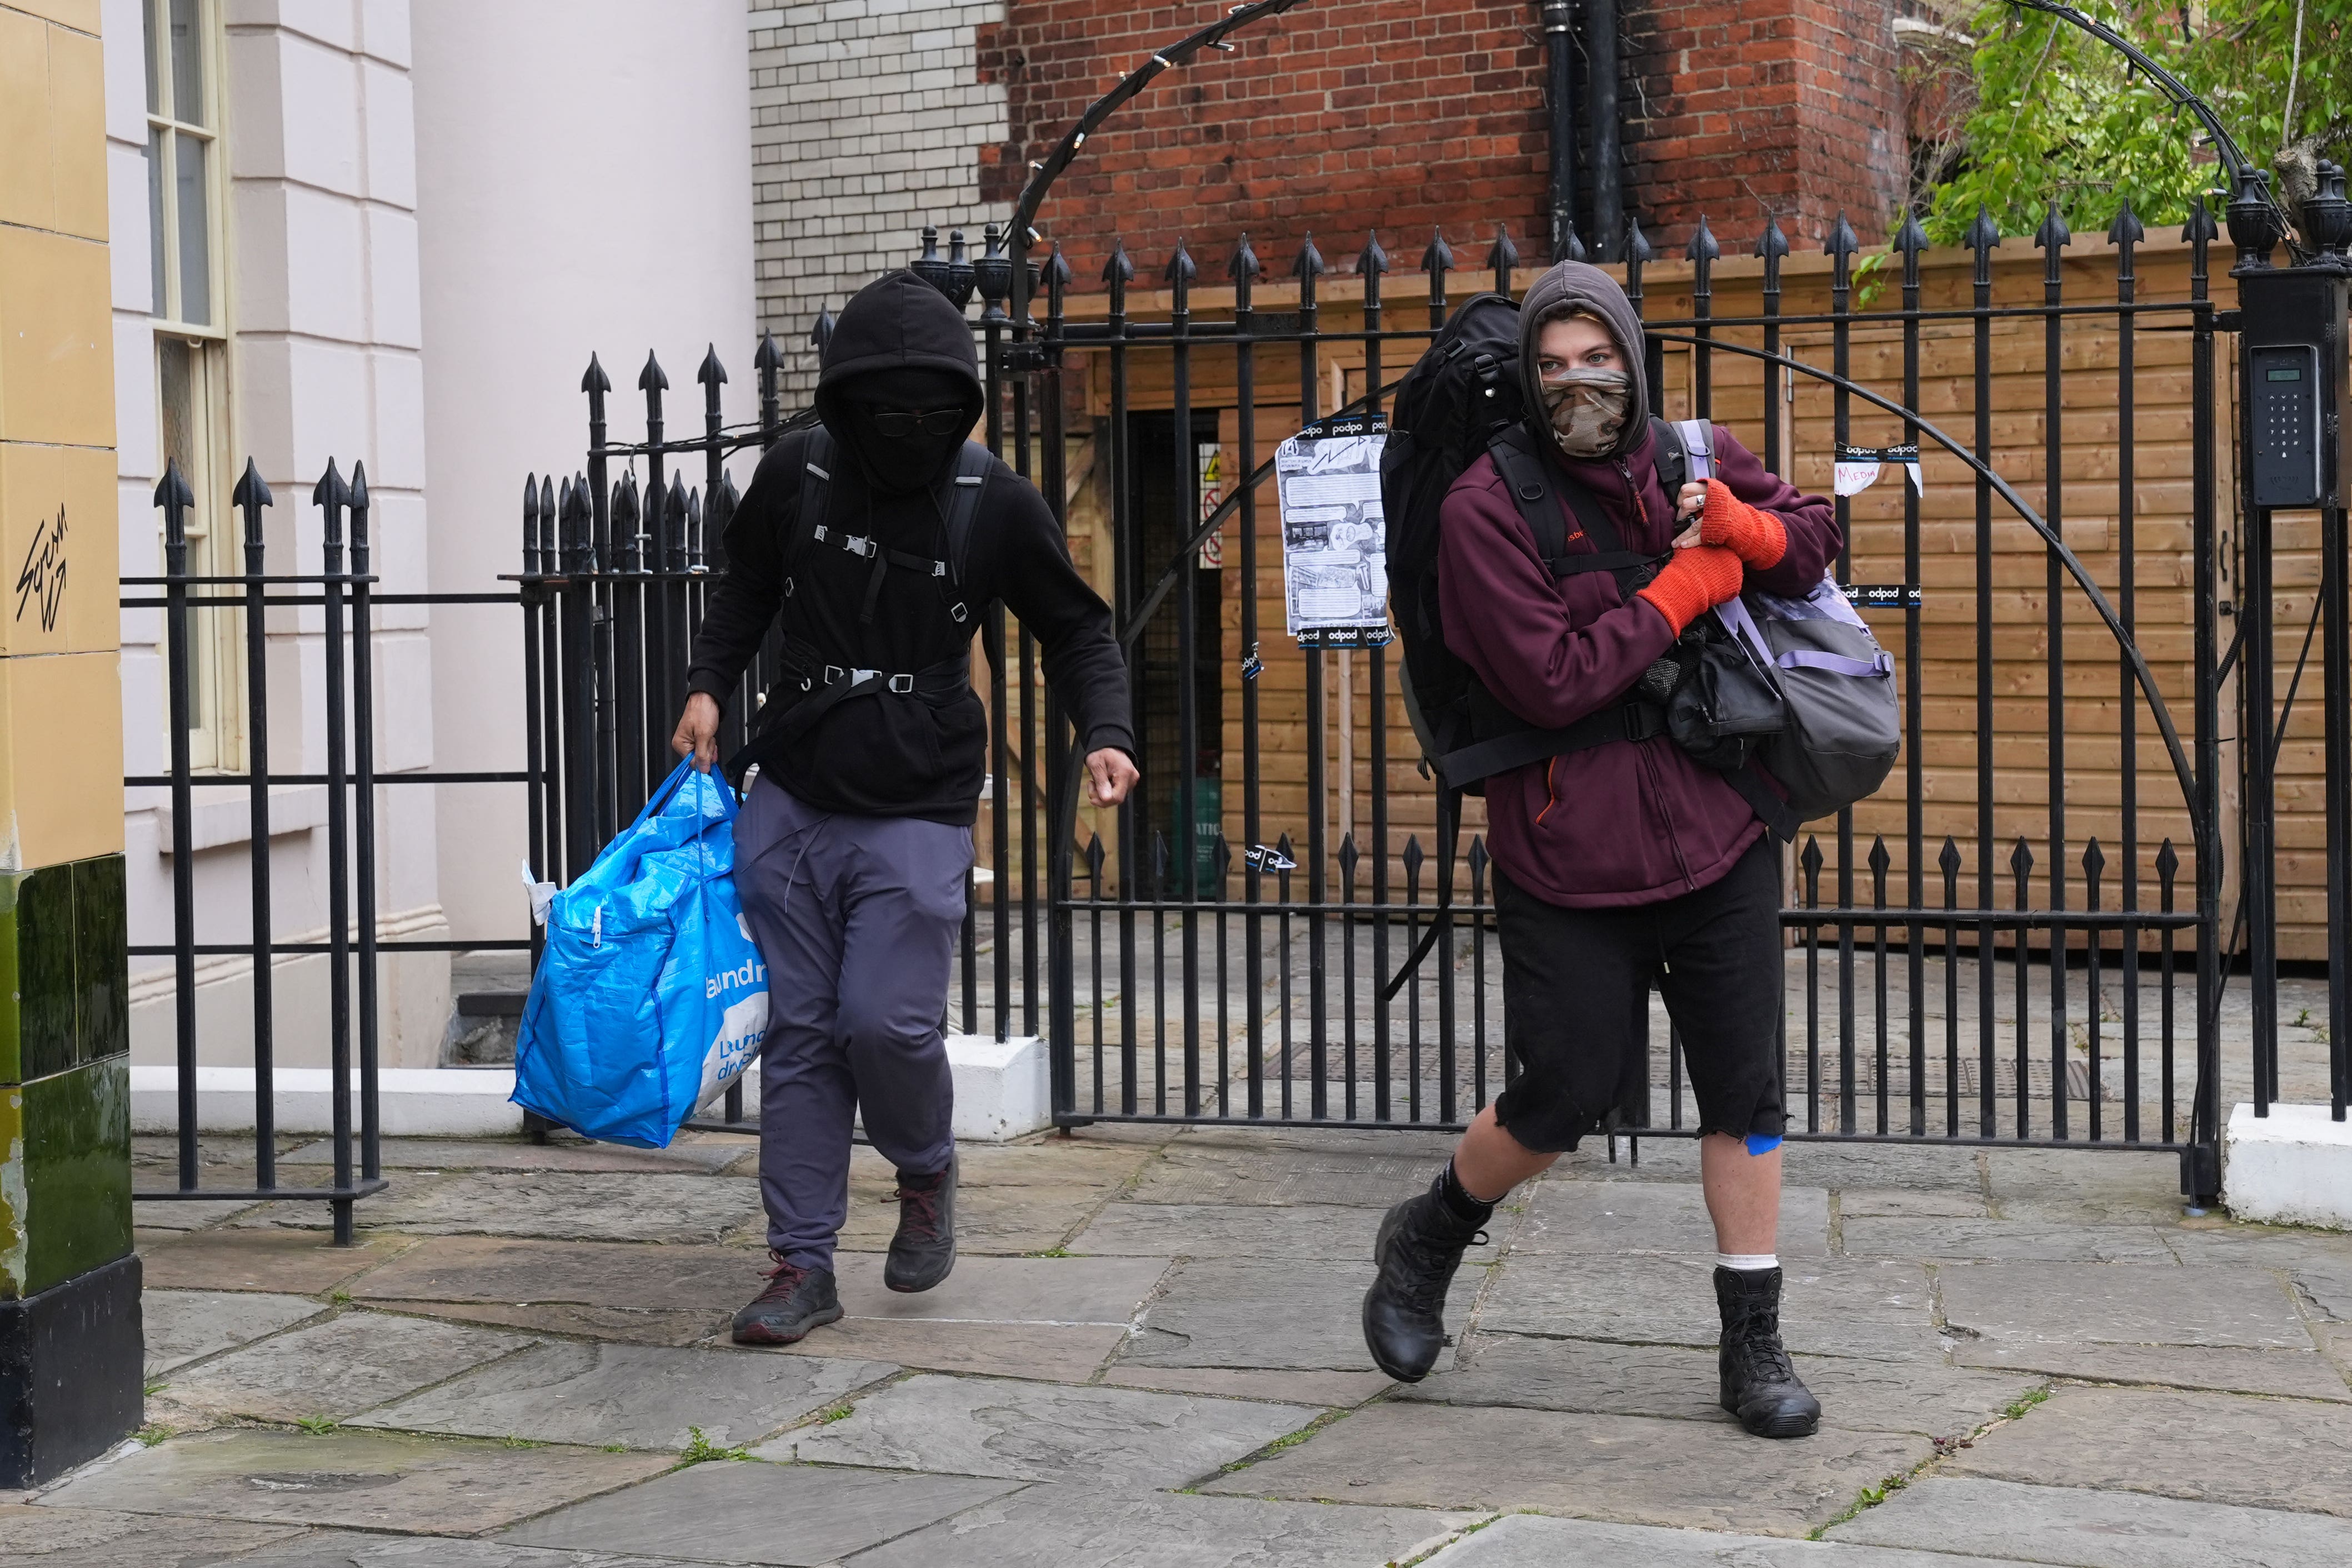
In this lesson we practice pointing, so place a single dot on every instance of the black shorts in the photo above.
(1576, 1011)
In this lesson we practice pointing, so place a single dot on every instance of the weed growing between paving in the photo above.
(1288, 1440)
(316, 1426)
(837, 1413)
(1462, 1534)
(702, 1449)
(340, 1298)
(152, 1433)
(155, 1385)
(1872, 1496)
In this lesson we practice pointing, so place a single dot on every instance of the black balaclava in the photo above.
(899, 344)
(897, 465)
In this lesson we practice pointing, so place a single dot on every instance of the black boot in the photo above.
(1760, 1382)
(1420, 1246)
(923, 1249)
(796, 1300)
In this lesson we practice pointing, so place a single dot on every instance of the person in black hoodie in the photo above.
(877, 537)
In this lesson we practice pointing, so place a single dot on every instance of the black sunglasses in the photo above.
(899, 423)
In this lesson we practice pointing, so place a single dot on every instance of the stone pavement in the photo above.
(1149, 1354)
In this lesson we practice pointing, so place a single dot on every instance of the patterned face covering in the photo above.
(1587, 409)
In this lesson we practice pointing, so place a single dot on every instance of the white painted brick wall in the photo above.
(867, 122)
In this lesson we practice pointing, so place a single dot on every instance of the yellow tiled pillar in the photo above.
(69, 1328)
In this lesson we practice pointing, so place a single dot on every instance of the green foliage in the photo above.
(316, 1426)
(2057, 115)
(152, 1433)
(702, 1449)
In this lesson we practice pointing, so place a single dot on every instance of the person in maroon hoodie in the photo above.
(1623, 865)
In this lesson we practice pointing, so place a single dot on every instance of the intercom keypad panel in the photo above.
(2284, 398)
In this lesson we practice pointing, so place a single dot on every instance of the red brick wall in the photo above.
(1736, 108)
(1339, 117)
(1408, 114)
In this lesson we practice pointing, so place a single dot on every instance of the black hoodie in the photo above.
(923, 754)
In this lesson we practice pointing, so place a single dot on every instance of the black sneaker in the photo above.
(1759, 1384)
(1420, 1246)
(923, 1250)
(796, 1300)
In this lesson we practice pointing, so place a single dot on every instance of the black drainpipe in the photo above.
(1559, 62)
(1608, 177)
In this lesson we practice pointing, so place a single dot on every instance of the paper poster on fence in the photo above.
(1335, 575)
(1857, 467)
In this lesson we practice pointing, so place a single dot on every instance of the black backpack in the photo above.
(1461, 400)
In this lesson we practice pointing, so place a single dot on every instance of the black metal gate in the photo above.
(1242, 977)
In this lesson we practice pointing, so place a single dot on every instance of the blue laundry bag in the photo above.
(650, 995)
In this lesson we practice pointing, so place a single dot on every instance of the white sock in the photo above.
(1747, 1263)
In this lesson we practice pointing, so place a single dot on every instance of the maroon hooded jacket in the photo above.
(1627, 822)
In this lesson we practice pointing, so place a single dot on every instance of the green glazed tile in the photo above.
(11, 1056)
(12, 1193)
(76, 1166)
(101, 962)
(44, 974)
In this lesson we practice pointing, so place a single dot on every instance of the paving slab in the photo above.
(2063, 1185)
(185, 1215)
(88, 1538)
(2303, 1373)
(346, 1549)
(1043, 1432)
(1534, 1540)
(1190, 1171)
(1868, 1236)
(1257, 1311)
(2097, 1529)
(621, 1326)
(291, 1262)
(1871, 1202)
(1328, 1389)
(1054, 1353)
(1073, 1525)
(737, 1513)
(1048, 1162)
(634, 1275)
(1879, 1166)
(2288, 1454)
(338, 1368)
(558, 1154)
(1434, 1146)
(1655, 1217)
(1673, 1380)
(359, 1480)
(639, 1395)
(2215, 1240)
(1005, 1220)
(1093, 1290)
(1317, 1231)
(2118, 1303)
(564, 1206)
(183, 1326)
(1634, 1470)
(1835, 1306)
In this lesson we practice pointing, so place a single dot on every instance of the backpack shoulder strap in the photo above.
(962, 508)
(1673, 455)
(816, 494)
(1531, 487)
(1693, 441)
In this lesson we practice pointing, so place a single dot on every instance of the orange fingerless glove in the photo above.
(1756, 537)
(1695, 581)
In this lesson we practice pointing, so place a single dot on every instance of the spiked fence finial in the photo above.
(1180, 270)
(1438, 256)
(1503, 256)
(595, 381)
(1372, 261)
(2127, 229)
(1911, 239)
(1842, 241)
(711, 373)
(1702, 246)
(769, 357)
(652, 378)
(252, 489)
(1637, 243)
(2053, 234)
(1772, 243)
(1310, 260)
(1118, 270)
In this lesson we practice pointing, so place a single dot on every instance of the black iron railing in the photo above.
(344, 596)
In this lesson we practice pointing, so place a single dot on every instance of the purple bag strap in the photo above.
(1837, 663)
(1698, 448)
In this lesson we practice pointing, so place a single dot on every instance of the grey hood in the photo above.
(1574, 288)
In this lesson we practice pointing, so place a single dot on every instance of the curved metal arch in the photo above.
(2142, 676)
(1043, 174)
